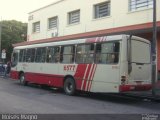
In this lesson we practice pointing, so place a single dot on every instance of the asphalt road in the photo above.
(32, 99)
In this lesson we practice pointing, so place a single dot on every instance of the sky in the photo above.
(19, 9)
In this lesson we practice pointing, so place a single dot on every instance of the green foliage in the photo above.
(12, 32)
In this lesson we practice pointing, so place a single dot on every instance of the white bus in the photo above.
(107, 64)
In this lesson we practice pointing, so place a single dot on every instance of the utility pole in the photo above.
(0, 33)
(154, 50)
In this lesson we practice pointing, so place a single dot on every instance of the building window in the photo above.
(102, 10)
(52, 22)
(140, 4)
(74, 17)
(36, 27)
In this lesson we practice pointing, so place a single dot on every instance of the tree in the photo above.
(12, 32)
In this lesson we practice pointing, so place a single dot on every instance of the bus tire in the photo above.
(22, 80)
(69, 86)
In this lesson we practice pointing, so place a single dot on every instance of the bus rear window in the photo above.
(140, 52)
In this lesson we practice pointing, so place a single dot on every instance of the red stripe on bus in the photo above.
(89, 89)
(14, 74)
(86, 78)
(91, 76)
(48, 79)
(79, 75)
(39, 78)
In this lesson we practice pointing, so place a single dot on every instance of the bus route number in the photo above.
(69, 67)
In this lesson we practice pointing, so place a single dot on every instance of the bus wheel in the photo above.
(69, 86)
(22, 80)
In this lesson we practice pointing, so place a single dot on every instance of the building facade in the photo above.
(70, 19)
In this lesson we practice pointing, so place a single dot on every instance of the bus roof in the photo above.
(39, 43)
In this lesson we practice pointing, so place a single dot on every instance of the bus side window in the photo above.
(67, 54)
(90, 54)
(85, 53)
(28, 55)
(107, 53)
(43, 55)
(116, 51)
(98, 53)
(24, 56)
(56, 54)
(21, 55)
(49, 55)
(33, 51)
(40, 55)
(53, 55)
(79, 54)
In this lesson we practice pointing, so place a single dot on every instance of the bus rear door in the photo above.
(140, 62)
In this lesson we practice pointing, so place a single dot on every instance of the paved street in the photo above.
(15, 98)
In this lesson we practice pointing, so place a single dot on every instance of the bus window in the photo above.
(40, 55)
(67, 54)
(139, 48)
(85, 53)
(33, 51)
(56, 54)
(22, 55)
(107, 53)
(28, 55)
(49, 57)
(53, 55)
(14, 59)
